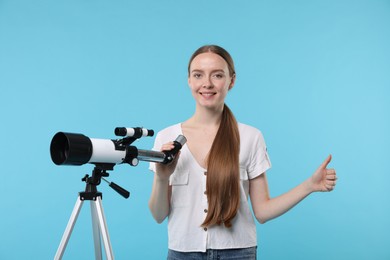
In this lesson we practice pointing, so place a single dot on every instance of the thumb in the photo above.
(326, 162)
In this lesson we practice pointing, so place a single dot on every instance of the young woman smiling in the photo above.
(205, 191)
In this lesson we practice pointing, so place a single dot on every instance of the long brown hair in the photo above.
(223, 172)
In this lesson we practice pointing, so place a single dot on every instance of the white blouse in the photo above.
(188, 205)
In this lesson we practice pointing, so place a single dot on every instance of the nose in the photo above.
(207, 83)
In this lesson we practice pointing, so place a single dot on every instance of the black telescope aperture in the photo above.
(70, 149)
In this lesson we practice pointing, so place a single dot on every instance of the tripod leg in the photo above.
(96, 232)
(103, 229)
(69, 229)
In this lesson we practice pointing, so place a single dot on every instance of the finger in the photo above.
(331, 177)
(326, 162)
(331, 171)
(330, 184)
(167, 146)
(329, 187)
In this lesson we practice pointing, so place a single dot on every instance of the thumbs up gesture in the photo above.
(324, 179)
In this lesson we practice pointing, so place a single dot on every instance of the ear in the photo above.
(232, 81)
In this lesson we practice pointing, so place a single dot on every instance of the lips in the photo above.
(207, 94)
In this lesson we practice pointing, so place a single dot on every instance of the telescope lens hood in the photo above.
(70, 149)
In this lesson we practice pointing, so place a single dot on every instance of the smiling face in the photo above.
(210, 80)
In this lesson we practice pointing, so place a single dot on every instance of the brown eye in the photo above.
(219, 76)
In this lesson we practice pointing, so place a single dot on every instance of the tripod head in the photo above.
(98, 173)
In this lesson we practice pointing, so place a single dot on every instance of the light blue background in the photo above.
(312, 75)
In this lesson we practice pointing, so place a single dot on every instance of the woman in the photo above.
(204, 192)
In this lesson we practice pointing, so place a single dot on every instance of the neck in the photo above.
(204, 117)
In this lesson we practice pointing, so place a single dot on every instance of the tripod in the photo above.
(99, 224)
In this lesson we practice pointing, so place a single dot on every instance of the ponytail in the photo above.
(223, 173)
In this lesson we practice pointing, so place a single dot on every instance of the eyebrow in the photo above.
(196, 70)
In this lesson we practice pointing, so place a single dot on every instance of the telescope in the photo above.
(78, 149)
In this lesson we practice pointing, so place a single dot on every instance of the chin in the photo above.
(210, 106)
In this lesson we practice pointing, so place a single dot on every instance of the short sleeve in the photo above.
(259, 161)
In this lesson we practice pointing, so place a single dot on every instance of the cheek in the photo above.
(226, 87)
(193, 90)
(193, 85)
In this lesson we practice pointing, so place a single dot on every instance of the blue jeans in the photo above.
(215, 254)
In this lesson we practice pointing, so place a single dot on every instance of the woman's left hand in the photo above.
(324, 179)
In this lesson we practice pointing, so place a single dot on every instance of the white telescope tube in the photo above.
(103, 151)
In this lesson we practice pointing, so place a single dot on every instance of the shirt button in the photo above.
(205, 229)
(205, 192)
(205, 173)
(205, 210)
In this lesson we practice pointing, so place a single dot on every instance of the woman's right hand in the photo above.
(159, 202)
(163, 171)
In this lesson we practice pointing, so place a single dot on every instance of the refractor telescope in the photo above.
(78, 149)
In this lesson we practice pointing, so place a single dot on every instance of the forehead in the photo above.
(208, 61)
